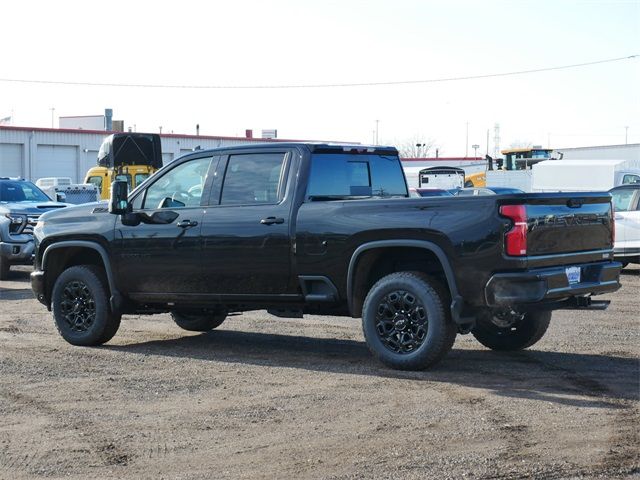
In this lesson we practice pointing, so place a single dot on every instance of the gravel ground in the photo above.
(272, 398)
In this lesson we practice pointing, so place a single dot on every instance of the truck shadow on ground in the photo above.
(19, 274)
(581, 380)
(16, 294)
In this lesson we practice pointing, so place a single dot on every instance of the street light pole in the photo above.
(626, 131)
(377, 124)
(466, 143)
(475, 150)
(52, 110)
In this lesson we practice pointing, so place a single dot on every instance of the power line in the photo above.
(319, 85)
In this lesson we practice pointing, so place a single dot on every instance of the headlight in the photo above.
(16, 222)
(16, 219)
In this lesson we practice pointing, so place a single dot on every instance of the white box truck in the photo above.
(584, 175)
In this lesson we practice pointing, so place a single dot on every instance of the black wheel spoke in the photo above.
(401, 322)
(78, 307)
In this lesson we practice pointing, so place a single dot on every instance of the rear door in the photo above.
(246, 237)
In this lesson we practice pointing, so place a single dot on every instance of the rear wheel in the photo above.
(81, 309)
(198, 322)
(498, 333)
(4, 268)
(405, 322)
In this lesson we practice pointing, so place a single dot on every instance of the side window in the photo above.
(97, 181)
(181, 186)
(630, 179)
(345, 175)
(252, 179)
(140, 177)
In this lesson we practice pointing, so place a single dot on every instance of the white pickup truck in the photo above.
(626, 201)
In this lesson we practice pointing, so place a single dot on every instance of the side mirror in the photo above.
(61, 197)
(119, 202)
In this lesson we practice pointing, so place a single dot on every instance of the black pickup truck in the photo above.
(324, 229)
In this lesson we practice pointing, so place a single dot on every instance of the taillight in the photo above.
(515, 240)
(613, 224)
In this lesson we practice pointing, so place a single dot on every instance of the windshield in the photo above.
(11, 191)
(622, 199)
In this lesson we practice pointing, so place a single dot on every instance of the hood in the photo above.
(75, 211)
(30, 208)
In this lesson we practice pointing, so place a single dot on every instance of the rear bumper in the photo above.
(18, 253)
(549, 285)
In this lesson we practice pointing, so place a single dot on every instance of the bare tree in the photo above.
(416, 146)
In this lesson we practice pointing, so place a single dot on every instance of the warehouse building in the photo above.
(34, 153)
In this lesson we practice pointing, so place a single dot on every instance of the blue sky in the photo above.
(287, 42)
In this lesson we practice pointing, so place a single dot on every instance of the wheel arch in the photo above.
(431, 247)
(78, 252)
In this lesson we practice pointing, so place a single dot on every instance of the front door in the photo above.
(246, 238)
(160, 261)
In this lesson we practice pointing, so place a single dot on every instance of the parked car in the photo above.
(626, 201)
(324, 229)
(21, 204)
(475, 191)
(429, 192)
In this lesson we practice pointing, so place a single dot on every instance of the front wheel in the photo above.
(198, 322)
(81, 306)
(405, 321)
(492, 332)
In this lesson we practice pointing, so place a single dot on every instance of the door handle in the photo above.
(271, 220)
(187, 224)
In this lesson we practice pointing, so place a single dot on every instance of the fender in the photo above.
(115, 299)
(456, 299)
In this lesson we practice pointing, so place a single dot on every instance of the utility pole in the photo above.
(626, 131)
(466, 143)
(487, 142)
(377, 125)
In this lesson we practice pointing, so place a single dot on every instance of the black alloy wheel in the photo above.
(406, 322)
(494, 333)
(401, 322)
(80, 304)
(78, 307)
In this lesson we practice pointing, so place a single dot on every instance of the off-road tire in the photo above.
(198, 322)
(93, 302)
(440, 329)
(4, 268)
(519, 336)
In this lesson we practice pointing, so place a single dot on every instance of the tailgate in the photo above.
(560, 223)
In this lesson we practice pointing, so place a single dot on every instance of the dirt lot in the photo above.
(270, 398)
